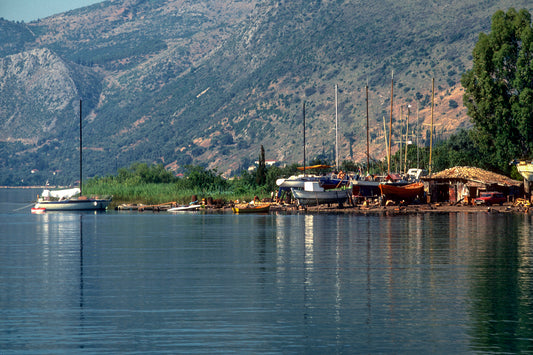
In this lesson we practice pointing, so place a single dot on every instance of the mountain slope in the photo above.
(208, 82)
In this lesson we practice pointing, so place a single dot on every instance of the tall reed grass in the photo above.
(154, 185)
(152, 194)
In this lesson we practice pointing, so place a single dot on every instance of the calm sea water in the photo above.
(122, 282)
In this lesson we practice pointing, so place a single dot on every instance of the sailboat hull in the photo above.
(310, 198)
(73, 205)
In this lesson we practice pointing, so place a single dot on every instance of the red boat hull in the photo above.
(405, 192)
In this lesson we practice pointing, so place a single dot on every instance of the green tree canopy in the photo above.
(499, 89)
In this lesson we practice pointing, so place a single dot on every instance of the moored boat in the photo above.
(185, 208)
(402, 192)
(65, 200)
(81, 203)
(38, 210)
(251, 209)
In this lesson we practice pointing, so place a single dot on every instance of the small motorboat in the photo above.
(251, 209)
(185, 208)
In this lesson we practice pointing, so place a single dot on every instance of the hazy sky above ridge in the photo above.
(30, 10)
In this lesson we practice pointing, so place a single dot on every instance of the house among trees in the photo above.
(464, 184)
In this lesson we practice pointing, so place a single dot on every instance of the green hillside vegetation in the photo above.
(172, 84)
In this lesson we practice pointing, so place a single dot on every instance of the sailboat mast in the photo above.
(406, 138)
(386, 143)
(400, 150)
(336, 132)
(431, 133)
(367, 135)
(417, 134)
(390, 122)
(81, 159)
(303, 114)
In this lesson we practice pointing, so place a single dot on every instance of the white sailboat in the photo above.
(69, 199)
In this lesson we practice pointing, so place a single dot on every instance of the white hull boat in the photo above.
(72, 204)
(65, 200)
(525, 169)
(185, 208)
(296, 181)
(313, 194)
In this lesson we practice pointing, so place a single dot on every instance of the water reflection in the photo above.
(424, 268)
(501, 292)
(447, 283)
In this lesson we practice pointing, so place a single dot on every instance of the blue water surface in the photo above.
(161, 283)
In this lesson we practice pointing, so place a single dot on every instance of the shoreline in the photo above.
(423, 208)
(360, 209)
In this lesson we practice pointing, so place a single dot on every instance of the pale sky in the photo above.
(30, 10)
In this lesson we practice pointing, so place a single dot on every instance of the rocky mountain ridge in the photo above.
(208, 82)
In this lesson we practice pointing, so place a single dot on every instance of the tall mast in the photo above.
(367, 135)
(385, 136)
(400, 150)
(303, 111)
(406, 138)
(417, 134)
(431, 134)
(336, 132)
(390, 122)
(81, 159)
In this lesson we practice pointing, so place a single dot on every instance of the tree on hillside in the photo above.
(260, 173)
(499, 89)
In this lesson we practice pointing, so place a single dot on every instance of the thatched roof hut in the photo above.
(475, 175)
(463, 183)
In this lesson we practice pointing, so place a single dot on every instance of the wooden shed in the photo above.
(463, 184)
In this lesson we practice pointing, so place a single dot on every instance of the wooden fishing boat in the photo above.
(251, 209)
(402, 192)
